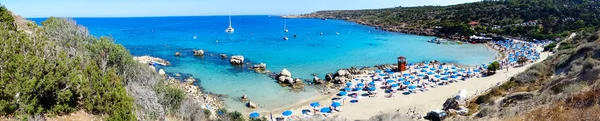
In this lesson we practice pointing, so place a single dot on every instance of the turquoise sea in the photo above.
(260, 39)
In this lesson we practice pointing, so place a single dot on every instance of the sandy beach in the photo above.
(422, 102)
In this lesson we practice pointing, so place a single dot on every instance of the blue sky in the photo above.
(133, 8)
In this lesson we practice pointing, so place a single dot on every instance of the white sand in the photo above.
(422, 101)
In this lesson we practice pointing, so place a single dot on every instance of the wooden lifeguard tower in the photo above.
(401, 63)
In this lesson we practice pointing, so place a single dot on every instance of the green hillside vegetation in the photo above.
(58, 68)
(539, 19)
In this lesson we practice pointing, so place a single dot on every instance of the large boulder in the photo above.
(244, 98)
(237, 60)
(177, 54)
(284, 76)
(251, 104)
(329, 77)
(198, 52)
(316, 80)
(162, 72)
(150, 60)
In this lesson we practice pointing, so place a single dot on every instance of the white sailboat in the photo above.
(284, 25)
(229, 29)
(285, 38)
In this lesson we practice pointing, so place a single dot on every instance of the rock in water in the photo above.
(199, 52)
(251, 104)
(260, 66)
(316, 80)
(244, 98)
(177, 54)
(223, 56)
(328, 77)
(237, 60)
(285, 72)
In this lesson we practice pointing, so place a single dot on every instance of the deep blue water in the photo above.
(259, 39)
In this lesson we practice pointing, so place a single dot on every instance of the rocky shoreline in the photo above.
(209, 101)
(400, 29)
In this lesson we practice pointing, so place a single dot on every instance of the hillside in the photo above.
(59, 71)
(538, 19)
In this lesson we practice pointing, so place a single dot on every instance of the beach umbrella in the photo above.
(325, 110)
(432, 69)
(381, 74)
(453, 76)
(412, 87)
(372, 88)
(389, 81)
(412, 77)
(315, 104)
(425, 66)
(336, 104)
(445, 78)
(437, 76)
(476, 70)
(347, 89)
(421, 75)
(401, 79)
(360, 84)
(388, 70)
(394, 85)
(377, 71)
(372, 83)
(446, 69)
(406, 74)
(348, 84)
(406, 82)
(343, 93)
(470, 72)
(453, 67)
(287, 113)
(430, 73)
(254, 115)
(423, 70)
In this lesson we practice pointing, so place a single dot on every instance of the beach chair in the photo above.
(372, 94)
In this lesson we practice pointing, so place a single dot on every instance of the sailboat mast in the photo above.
(229, 20)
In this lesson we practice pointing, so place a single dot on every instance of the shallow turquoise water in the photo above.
(259, 39)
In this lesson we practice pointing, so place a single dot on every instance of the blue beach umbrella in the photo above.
(432, 69)
(445, 78)
(287, 113)
(440, 67)
(453, 67)
(315, 104)
(412, 87)
(453, 76)
(406, 74)
(325, 110)
(336, 104)
(372, 83)
(430, 73)
(423, 70)
(394, 85)
(360, 84)
(406, 82)
(437, 76)
(425, 66)
(381, 74)
(470, 72)
(421, 75)
(412, 77)
(476, 70)
(411, 64)
(389, 81)
(254, 115)
(401, 79)
(372, 88)
(347, 89)
(348, 84)
(388, 70)
(446, 69)
(377, 71)
(343, 93)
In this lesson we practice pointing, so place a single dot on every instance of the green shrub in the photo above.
(550, 46)
(172, 96)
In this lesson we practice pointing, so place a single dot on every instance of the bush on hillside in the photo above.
(550, 46)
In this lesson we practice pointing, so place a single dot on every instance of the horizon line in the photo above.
(155, 16)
